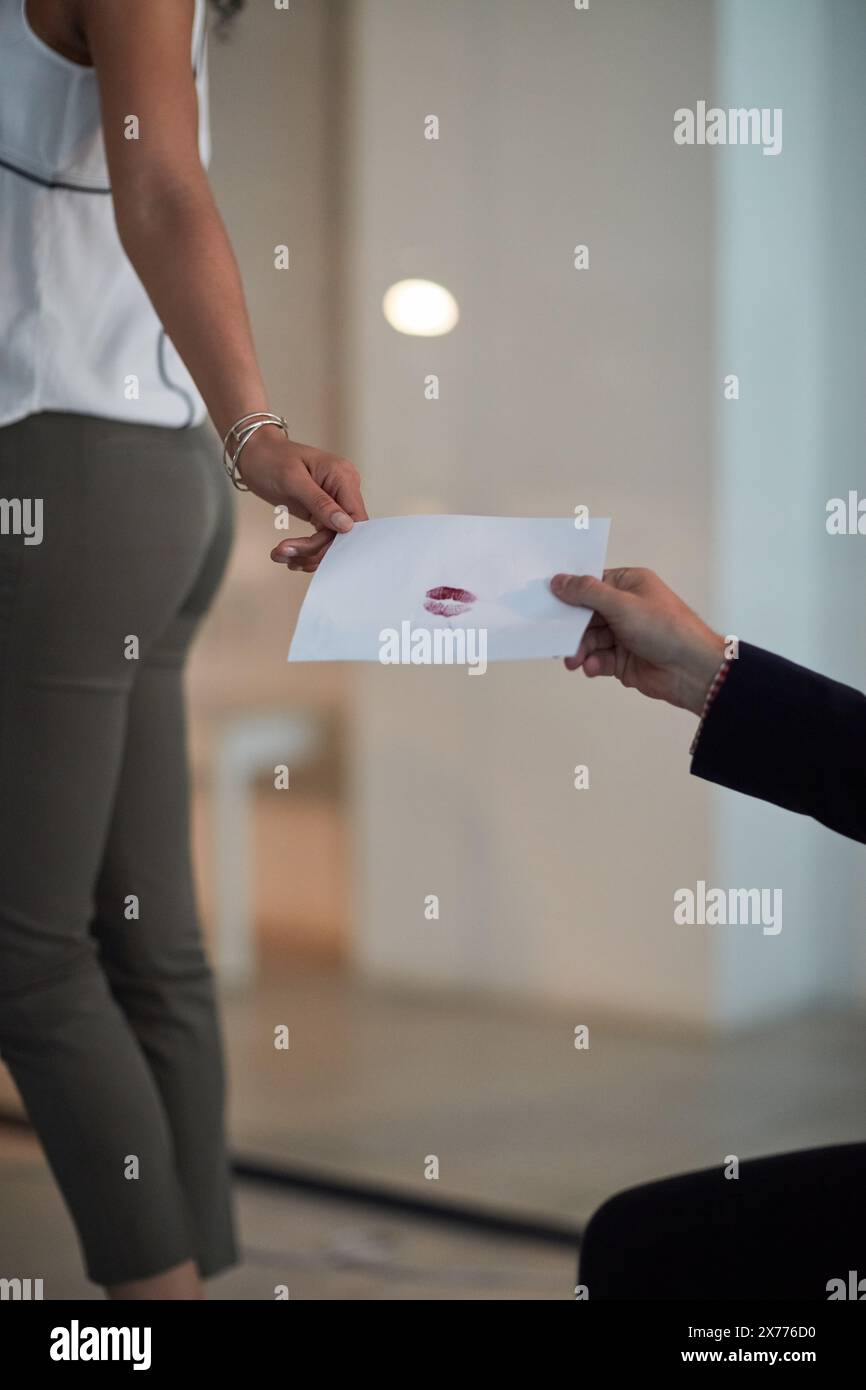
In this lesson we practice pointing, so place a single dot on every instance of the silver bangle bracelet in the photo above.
(239, 433)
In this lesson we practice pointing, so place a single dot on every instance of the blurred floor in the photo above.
(318, 1249)
(376, 1080)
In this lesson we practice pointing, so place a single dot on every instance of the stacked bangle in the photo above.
(238, 435)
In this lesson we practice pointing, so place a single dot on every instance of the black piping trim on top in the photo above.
(50, 183)
(82, 187)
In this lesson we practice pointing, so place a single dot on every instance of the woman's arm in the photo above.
(171, 230)
(774, 730)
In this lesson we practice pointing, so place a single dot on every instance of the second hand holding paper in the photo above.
(386, 583)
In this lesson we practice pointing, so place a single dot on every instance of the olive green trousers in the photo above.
(113, 540)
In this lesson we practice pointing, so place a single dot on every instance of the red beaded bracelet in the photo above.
(715, 686)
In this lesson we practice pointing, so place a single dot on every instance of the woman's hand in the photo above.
(314, 486)
(644, 635)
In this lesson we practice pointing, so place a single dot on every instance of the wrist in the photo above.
(267, 445)
(700, 666)
(241, 446)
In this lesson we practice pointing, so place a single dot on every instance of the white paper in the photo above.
(373, 584)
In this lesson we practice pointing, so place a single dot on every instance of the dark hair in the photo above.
(226, 10)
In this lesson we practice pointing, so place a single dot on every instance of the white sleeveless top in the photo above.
(77, 330)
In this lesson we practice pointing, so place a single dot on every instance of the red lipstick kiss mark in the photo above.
(446, 602)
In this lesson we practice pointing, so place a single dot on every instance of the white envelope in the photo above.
(396, 587)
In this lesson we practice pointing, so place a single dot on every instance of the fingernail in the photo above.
(557, 581)
(285, 554)
(341, 521)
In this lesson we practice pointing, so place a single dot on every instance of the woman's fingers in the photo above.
(340, 480)
(330, 495)
(348, 494)
(296, 551)
(306, 499)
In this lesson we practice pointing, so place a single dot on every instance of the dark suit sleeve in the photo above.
(787, 735)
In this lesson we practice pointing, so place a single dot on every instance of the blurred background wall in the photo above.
(790, 304)
(276, 102)
(559, 386)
